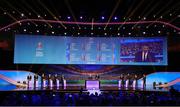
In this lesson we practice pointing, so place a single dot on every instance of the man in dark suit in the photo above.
(144, 81)
(144, 55)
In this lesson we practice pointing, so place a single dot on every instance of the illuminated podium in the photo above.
(92, 84)
(44, 83)
(127, 83)
(120, 83)
(57, 83)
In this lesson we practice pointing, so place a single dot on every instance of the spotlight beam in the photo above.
(165, 13)
(71, 11)
(44, 6)
(27, 5)
(90, 23)
(114, 10)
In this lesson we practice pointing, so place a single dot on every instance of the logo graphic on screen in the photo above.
(39, 50)
(39, 46)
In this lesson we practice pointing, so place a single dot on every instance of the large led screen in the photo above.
(37, 49)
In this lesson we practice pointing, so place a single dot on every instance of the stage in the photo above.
(73, 88)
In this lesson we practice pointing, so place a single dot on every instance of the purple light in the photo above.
(69, 17)
(102, 17)
(81, 17)
(115, 18)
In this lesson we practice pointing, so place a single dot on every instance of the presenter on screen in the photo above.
(144, 55)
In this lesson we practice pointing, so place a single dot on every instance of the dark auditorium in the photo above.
(89, 52)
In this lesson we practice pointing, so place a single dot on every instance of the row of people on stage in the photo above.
(57, 80)
(47, 81)
(131, 80)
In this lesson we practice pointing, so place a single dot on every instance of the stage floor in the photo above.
(78, 88)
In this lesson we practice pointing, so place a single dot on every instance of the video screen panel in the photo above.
(37, 49)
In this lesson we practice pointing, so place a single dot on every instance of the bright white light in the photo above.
(37, 30)
(93, 91)
(24, 30)
(115, 18)
(144, 32)
(52, 32)
(39, 16)
(68, 17)
(22, 14)
(65, 33)
(102, 17)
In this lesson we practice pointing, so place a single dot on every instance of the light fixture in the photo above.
(102, 17)
(39, 16)
(68, 17)
(22, 14)
(115, 18)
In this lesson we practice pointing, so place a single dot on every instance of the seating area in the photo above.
(84, 98)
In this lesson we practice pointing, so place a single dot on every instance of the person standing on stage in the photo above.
(35, 80)
(144, 81)
(29, 77)
(56, 80)
(135, 81)
(49, 80)
(121, 79)
(62, 81)
(43, 81)
(127, 80)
